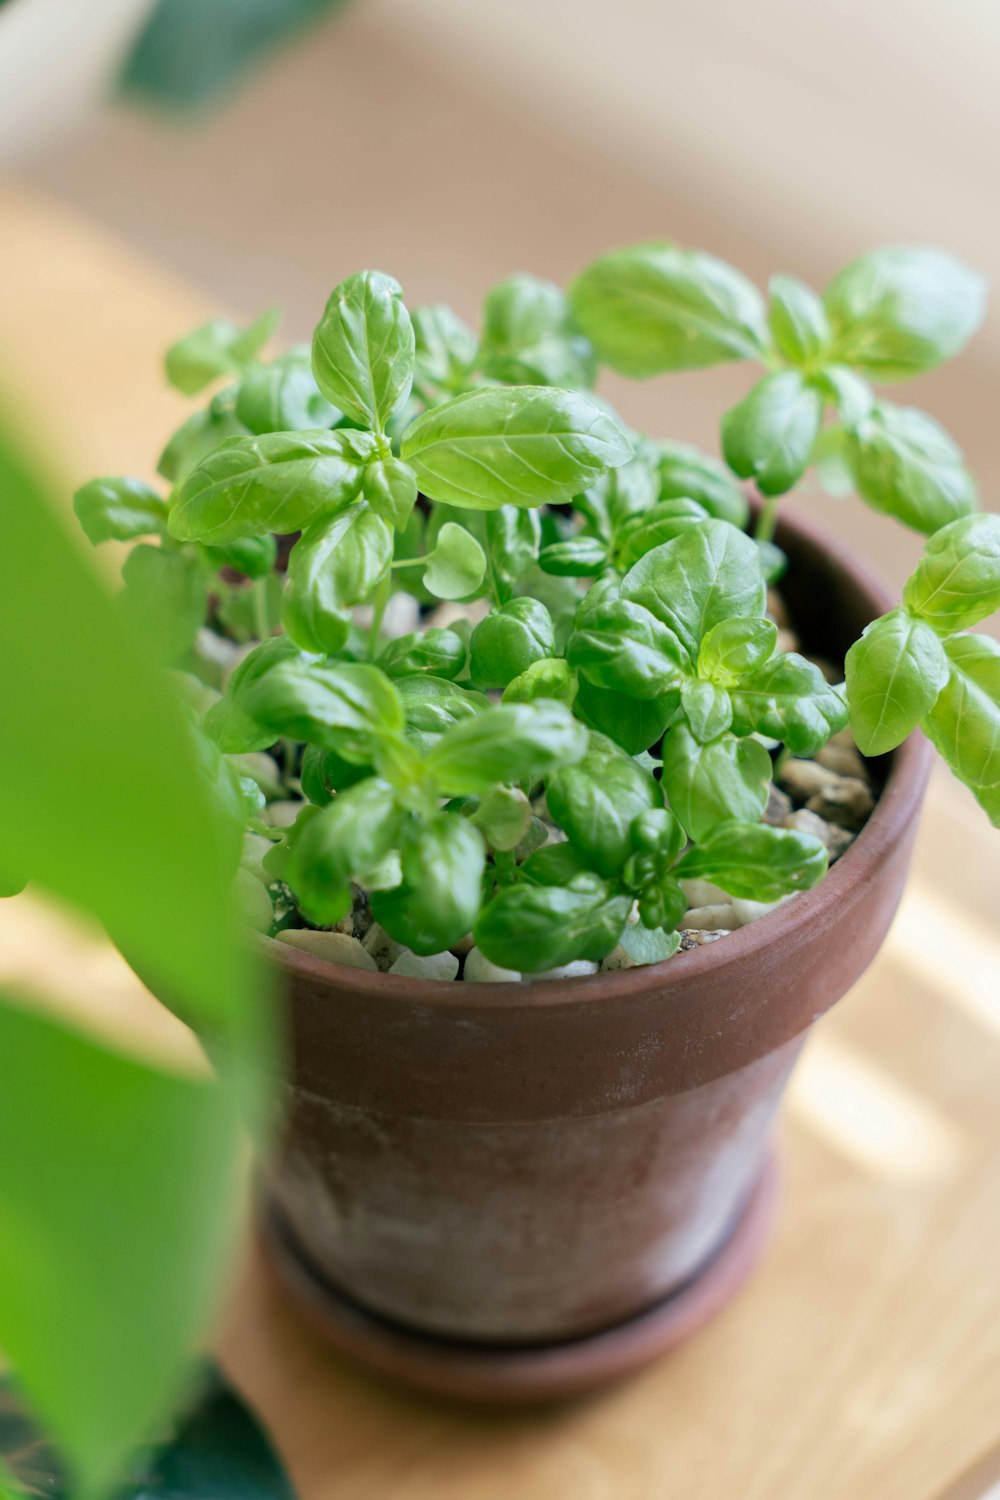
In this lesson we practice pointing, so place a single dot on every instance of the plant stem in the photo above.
(260, 611)
(379, 602)
(767, 520)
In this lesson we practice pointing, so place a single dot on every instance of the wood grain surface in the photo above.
(863, 1362)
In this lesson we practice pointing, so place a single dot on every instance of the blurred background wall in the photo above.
(453, 143)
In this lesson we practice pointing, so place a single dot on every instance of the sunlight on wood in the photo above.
(934, 941)
(870, 1117)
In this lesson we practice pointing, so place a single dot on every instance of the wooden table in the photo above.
(863, 1361)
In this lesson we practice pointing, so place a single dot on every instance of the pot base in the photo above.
(537, 1372)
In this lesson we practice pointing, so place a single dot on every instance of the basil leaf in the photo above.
(521, 445)
(706, 708)
(342, 707)
(707, 574)
(620, 494)
(513, 537)
(445, 350)
(229, 722)
(894, 674)
(390, 487)
(438, 900)
(253, 556)
(442, 653)
(283, 397)
(537, 927)
(735, 647)
(653, 308)
(530, 337)
(633, 724)
(770, 435)
(554, 864)
(578, 557)
(899, 311)
(789, 699)
(799, 325)
(503, 816)
(276, 483)
(333, 565)
(688, 474)
(596, 800)
(904, 463)
(661, 523)
(755, 862)
(432, 705)
(353, 833)
(217, 348)
(195, 439)
(649, 947)
(164, 597)
(623, 647)
(957, 581)
(964, 723)
(508, 641)
(363, 348)
(324, 773)
(662, 903)
(118, 510)
(706, 784)
(550, 678)
(457, 565)
(511, 742)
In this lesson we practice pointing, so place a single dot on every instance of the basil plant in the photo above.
(606, 666)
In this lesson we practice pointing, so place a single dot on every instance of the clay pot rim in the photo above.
(904, 784)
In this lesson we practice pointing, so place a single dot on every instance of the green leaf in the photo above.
(624, 647)
(706, 784)
(504, 817)
(432, 705)
(631, 723)
(900, 311)
(649, 947)
(438, 900)
(508, 641)
(164, 598)
(536, 927)
(513, 536)
(195, 439)
(363, 349)
(351, 834)
(707, 574)
(342, 707)
(661, 523)
(334, 564)
(228, 722)
(755, 862)
(894, 674)
(511, 742)
(662, 904)
(530, 337)
(215, 349)
(519, 445)
(445, 350)
(688, 474)
(577, 557)
(442, 653)
(770, 435)
(277, 483)
(653, 308)
(799, 325)
(621, 494)
(118, 510)
(904, 463)
(253, 556)
(957, 581)
(457, 565)
(596, 800)
(789, 699)
(390, 487)
(734, 647)
(283, 397)
(706, 707)
(549, 678)
(964, 723)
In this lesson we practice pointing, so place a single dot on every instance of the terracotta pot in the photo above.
(509, 1189)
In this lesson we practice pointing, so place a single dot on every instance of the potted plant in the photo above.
(514, 694)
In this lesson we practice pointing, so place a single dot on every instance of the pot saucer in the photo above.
(511, 1374)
